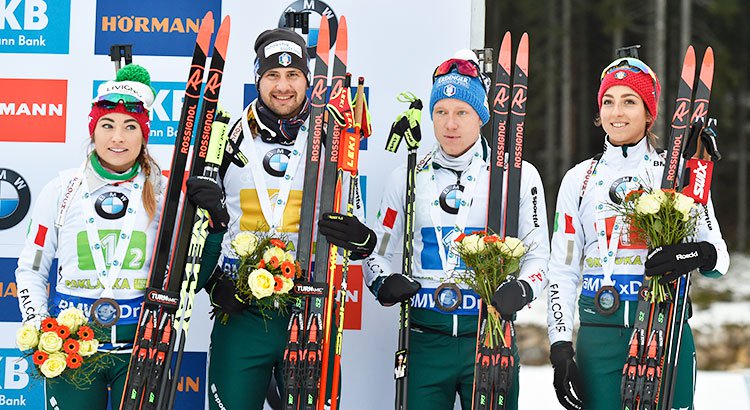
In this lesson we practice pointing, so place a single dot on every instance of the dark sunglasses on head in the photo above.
(136, 107)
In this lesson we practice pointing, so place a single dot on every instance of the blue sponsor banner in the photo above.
(9, 311)
(165, 112)
(191, 385)
(165, 27)
(430, 256)
(35, 26)
(22, 387)
(251, 93)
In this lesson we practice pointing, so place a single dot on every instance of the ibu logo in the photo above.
(35, 26)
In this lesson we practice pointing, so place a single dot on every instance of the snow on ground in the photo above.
(714, 390)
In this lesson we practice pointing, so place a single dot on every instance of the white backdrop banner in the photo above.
(54, 53)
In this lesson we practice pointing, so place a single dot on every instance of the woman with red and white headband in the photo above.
(590, 378)
(451, 199)
(100, 221)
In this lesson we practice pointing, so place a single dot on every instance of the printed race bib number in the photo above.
(134, 257)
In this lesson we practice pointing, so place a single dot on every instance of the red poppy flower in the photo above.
(274, 262)
(460, 237)
(63, 331)
(479, 232)
(288, 269)
(49, 324)
(40, 357)
(262, 264)
(279, 283)
(491, 239)
(74, 360)
(278, 243)
(71, 346)
(85, 333)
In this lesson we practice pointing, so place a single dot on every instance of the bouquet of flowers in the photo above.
(266, 271)
(659, 217)
(490, 260)
(62, 343)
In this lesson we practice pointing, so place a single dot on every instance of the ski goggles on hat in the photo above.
(130, 106)
(631, 64)
(464, 67)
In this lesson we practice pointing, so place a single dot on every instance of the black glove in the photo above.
(395, 288)
(511, 296)
(567, 382)
(349, 233)
(672, 261)
(223, 294)
(206, 193)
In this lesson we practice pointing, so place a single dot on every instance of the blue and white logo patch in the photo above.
(620, 75)
(276, 160)
(449, 90)
(450, 198)
(111, 205)
(15, 198)
(285, 59)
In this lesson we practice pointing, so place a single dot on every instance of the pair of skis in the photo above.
(167, 305)
(650, 371)
(493, 371)
(307, 354)
(406, 127)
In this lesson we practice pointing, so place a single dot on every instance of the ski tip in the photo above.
(522, 55)
(205, 30)
(323, 48)
(504, 56)
(342, 42)
(222, 37)
(707, 68)
(688, 66)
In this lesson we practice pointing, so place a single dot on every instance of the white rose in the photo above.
(684, 204)
(50, 342)
(27, 337)
(54, 365)
(660, 196)
(288, 284)
(274, 251)
(261, 283)
(245, 243)
(647, 204)
(512, 247)
(71, 317)
(473, 243)
(88, 347)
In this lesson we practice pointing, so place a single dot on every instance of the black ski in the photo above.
(294, 354)
(156, 297)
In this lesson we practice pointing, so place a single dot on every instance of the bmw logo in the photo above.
(15, 198)
(317, 10)
(620, 188)
(449, 90)
(450, 198)
(285, 59)
(111, 205)
(275, 161)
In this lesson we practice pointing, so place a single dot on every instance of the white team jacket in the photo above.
(575, 249)
(427, 264)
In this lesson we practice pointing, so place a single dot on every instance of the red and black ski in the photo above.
(493, 371)
(649, 370)
(295, 355)
(146, 385)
